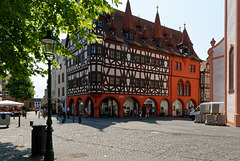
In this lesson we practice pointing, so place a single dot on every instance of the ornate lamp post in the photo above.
(49, 50)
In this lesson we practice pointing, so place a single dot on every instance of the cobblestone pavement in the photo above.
(124, 139)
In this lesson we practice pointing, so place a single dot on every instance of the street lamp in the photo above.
(49, 50)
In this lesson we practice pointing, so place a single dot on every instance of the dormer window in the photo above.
(138, 29)
(158, 43)
(170, 47)
(144, 41)
(128, 36)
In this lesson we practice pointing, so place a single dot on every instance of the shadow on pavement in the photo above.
(9, 151)
(104, 122)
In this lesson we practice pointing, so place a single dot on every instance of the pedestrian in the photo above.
(135, 112)
(36, 111)
(44, 113)
(68, 112)
(140, 114)
(150, 111)
(86, 113)
(147, 114)
(186, 111)
(64, 112)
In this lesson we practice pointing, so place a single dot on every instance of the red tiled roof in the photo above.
(157, 31)
(119, 17)
(128, 21)
(185, 38)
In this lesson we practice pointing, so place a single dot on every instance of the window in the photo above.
(178, 66)
(58, 92)
(99, 77)
(100, 23)
(118, 54)
(142, 83)
(129, 36)
(62, 91)
(137, 57)
(111, 81)
(99, 50)
(152, 61)
(180, 88)
(142, 59)
(112, 54)
(58, 79)
(138, 29)
(151, 84)
(231, 70)
(192, 68)
(118, 81)
(157, 62)
(62, 77)
(137, 83)
(94, 79)
(93, 51)
(187, 91)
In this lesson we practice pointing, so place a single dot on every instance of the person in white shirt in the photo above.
(68, 111)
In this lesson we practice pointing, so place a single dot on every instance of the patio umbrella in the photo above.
(10, 103)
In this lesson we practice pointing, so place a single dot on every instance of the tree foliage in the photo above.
(20, 88)
(23, 23)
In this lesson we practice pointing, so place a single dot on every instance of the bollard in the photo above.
(19, 121)
(73, 117)
(31, 123)
(39, 115)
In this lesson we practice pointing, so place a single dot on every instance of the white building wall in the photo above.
(62, 98)
(231, 31)
(218, 76)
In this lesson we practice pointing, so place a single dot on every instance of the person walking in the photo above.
(140, 114)
(68, 112)
(64, 112)
(86, 113)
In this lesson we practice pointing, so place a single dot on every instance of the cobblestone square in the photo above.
(119, 139)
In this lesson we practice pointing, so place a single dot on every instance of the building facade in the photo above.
(138, 65)
(38, 103)
(216, 62)
(204, 82)
(59, 83)
(232, 62)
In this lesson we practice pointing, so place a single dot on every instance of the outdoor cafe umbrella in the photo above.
(10, 103)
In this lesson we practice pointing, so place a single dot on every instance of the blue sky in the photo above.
(204, 20)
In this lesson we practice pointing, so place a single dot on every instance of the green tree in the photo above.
(20, 88)
(23, 23)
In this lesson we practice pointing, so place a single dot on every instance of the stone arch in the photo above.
(131, 106)
(150, 104)
(177, 107)
(164, 106)
(109, 107)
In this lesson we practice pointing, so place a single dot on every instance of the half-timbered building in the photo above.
(138, 65)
